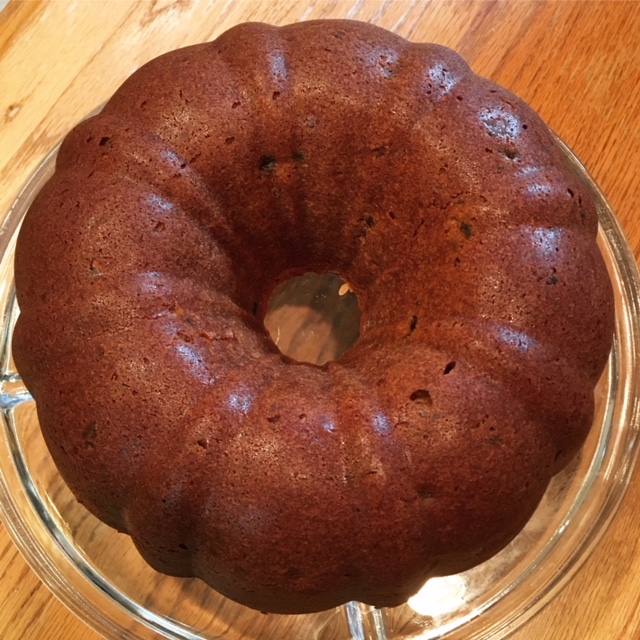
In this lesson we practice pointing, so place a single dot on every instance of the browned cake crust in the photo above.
(144, 267)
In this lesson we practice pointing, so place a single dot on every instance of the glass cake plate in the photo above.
(99, 575)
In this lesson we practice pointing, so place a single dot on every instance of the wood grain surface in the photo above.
(576, 63)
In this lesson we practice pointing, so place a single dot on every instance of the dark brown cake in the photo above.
(145, 265)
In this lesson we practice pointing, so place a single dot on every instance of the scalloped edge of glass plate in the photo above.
(63, 569)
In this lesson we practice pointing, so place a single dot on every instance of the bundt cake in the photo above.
(217, 171)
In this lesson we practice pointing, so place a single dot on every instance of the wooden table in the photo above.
(577, 63)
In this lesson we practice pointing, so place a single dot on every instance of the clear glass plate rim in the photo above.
(49, 571)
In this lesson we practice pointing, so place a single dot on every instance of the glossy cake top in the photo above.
(217, 171)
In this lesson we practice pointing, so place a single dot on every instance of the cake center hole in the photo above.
(313, 317)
